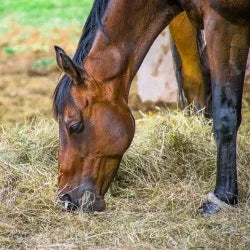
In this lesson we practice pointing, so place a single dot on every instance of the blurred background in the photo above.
(28, 31)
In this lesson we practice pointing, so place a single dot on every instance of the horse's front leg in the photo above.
(227, 45)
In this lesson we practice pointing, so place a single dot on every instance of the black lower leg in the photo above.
(226, 180)
(227, 118)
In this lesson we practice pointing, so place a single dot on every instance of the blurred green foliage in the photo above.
(11, 50)
(43, 63)
(45, 13)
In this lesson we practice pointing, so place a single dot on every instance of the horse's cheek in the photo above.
(114, 134)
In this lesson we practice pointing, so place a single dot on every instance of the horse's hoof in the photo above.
(209, 208)
(213, 205)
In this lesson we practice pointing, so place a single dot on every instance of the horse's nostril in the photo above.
(67, 202)
(65, 198)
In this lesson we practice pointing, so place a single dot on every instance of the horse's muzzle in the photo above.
(88, 202)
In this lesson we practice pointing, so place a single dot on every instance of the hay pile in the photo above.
(153, 202)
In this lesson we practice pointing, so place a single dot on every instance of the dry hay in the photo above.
(153, 203)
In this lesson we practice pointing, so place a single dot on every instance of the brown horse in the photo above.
(95, 123)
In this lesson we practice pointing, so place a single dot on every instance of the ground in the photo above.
(163, 178)
(153, 203)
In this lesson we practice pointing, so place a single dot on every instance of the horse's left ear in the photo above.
(68, 66)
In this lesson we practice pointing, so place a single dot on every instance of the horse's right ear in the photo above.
(65, 63)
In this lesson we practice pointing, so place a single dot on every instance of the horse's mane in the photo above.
(62, 94)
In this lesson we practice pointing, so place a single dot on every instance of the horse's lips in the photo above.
(83, 200)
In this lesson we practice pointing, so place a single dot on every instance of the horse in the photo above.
(96, 126)
(187, 45)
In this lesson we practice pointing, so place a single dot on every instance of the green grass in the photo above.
(43, 63)
(44, 13)
(152, 204)
(11, 50)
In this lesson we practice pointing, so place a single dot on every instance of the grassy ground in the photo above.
(153, 202)
(46, 14)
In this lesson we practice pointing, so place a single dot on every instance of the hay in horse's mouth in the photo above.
(87, 201)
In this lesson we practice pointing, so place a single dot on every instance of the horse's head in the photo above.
(95, 129)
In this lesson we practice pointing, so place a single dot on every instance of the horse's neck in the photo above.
(131, 28)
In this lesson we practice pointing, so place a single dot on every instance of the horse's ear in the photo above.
(68, 66)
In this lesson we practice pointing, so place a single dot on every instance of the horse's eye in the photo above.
(76, 128)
